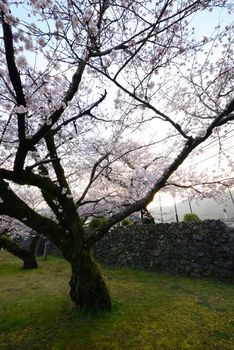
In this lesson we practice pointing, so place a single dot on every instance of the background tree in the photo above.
(12, 236)
(62, 133)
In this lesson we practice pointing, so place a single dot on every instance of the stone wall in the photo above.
(194, 249)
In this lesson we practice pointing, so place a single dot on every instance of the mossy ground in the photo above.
(150, 311)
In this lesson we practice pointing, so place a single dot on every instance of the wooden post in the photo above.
(45, 253)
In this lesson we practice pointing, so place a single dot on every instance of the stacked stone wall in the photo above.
(198, 249)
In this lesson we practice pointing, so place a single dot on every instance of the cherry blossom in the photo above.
(20, 110)
(22, 62)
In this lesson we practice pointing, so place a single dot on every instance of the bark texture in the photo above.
(87, 286)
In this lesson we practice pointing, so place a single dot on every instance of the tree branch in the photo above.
(15, 207)
(81, 114)
(92, 178)
(14, 74)
(23, 149)
(29, 178)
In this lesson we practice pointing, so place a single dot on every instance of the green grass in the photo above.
(150, 311)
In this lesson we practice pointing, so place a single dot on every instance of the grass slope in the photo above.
(151, 311)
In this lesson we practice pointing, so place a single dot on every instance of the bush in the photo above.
(126, 222)
(188, 217)
(96, 222)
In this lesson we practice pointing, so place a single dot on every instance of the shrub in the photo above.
(96, 222)
(188, 217)
(126, 222)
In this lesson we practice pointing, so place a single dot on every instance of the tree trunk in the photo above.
(29, 262)
(28, 256)
(88, 289)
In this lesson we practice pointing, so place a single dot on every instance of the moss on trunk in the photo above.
(88, 288)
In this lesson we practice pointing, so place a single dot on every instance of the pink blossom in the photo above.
(41, 42)
(93, 28)
(202, 132)
(151, 85)
(20, 110)
(48, 121)
(106, 61)
(59, 24)
(21, 62)
(88, 13)
(10, 19)
(113, 54)
(75, 21)
(28, 44)
(3, 6)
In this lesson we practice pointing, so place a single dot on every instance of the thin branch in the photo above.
(92, 177)
(83, 113)
(42, 162)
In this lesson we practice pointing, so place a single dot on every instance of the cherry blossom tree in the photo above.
(12, 233)
(80, 81)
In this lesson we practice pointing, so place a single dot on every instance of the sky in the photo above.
(205, 209)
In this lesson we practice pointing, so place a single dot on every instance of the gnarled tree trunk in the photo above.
(87, 286)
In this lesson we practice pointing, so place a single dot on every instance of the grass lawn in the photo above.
(150, 311)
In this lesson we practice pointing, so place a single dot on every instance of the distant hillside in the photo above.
(205, 209)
